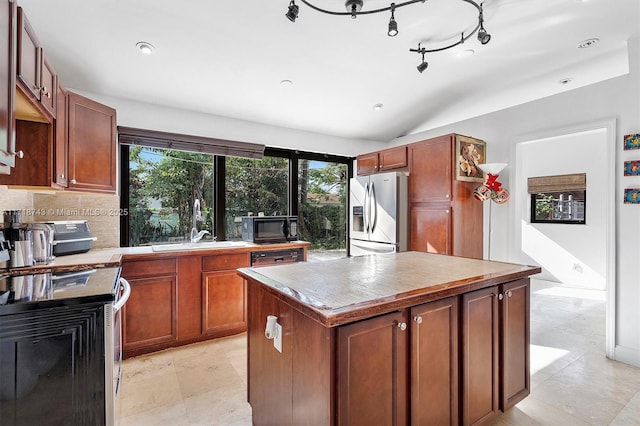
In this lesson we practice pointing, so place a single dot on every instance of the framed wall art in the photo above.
(469, 153)
(632, 196)
(632, 141)
(632, 168)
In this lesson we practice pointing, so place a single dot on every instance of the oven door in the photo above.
(113, 351)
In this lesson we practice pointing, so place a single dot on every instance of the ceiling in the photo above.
(228, 58)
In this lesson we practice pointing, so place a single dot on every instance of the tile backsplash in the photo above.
(101, 211)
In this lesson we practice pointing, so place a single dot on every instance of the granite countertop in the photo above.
(335, 292)
(112, 257)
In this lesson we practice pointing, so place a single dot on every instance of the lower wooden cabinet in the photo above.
(495, 350)
(480, 334)
(223, 303)
(452, 361)
(376, 345)
(182, 299)
(430, 228)
(150, 314)
(434, 363)
(514, 330)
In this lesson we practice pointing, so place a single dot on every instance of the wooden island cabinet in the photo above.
(409, 338)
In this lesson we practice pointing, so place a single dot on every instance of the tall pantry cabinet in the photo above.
(445, 217)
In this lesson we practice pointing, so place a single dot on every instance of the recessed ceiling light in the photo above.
(588, 43)
(465, 53)
(565, 80)
(144, 47)
(286, 83)
(377, 107)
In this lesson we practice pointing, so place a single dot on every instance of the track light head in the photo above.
(292, 13)
(393, 25)
(423, 66)
(393, 28)
(483, 36)
(353, 7)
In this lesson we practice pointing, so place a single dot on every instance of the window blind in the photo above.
(557, 183)
(180, 142)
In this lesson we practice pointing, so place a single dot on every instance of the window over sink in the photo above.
(159, 187)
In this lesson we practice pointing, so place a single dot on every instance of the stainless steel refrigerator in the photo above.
(378, 216)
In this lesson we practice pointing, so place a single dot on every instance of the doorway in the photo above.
(579, 255)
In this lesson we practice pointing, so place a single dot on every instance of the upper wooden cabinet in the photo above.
(61, 141)
(382, 161)
(431, 169)
(35, 75)
(76, 153)
(92, 145)
(7, 85)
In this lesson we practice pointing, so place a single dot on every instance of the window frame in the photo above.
(219, 185)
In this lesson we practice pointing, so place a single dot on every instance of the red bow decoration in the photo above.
(492, 182)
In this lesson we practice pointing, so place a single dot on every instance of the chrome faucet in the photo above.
(197, 215)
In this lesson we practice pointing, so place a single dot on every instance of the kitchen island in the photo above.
(407, 338)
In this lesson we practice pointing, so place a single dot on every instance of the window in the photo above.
(558, 207)
(162, 186)
(254, 187)
(558, 198)
(322, 204)
(159, 187)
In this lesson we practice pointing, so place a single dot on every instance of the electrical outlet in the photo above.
(277, 340)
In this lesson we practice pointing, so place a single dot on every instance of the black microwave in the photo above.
(269, 229)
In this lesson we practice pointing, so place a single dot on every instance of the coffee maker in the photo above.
(20, 238)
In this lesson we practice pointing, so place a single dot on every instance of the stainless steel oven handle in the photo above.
(126, 292)
(75, 240)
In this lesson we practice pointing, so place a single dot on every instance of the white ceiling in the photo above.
(228, 58)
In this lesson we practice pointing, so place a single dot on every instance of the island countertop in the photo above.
(340, 291)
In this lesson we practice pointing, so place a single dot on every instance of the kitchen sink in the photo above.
(198, 246)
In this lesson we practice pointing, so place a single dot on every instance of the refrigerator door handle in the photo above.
(365, 213)
(373, 208)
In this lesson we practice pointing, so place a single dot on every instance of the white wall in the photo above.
(617, 98)
(141, 115)
(569, 253)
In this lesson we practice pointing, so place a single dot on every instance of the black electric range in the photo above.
(27, 292)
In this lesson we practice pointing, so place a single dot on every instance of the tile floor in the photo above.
(572, 382)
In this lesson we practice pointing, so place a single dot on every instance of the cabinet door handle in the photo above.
(418, 319)
(61, 175)
(509, 293)
(20, 154)
(45, 91)
(73, 181)
(402, 326)
(500, 296)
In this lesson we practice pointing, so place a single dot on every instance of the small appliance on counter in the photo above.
(269, 229)
(20, 238)
(71, 237)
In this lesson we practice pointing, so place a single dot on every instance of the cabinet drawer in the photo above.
(225, 261)
(145, 268)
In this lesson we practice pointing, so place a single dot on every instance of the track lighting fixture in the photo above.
(292, 13)
(424, 64)
(352, 6)
(393, 25)
(356, 7)
(483, 36)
